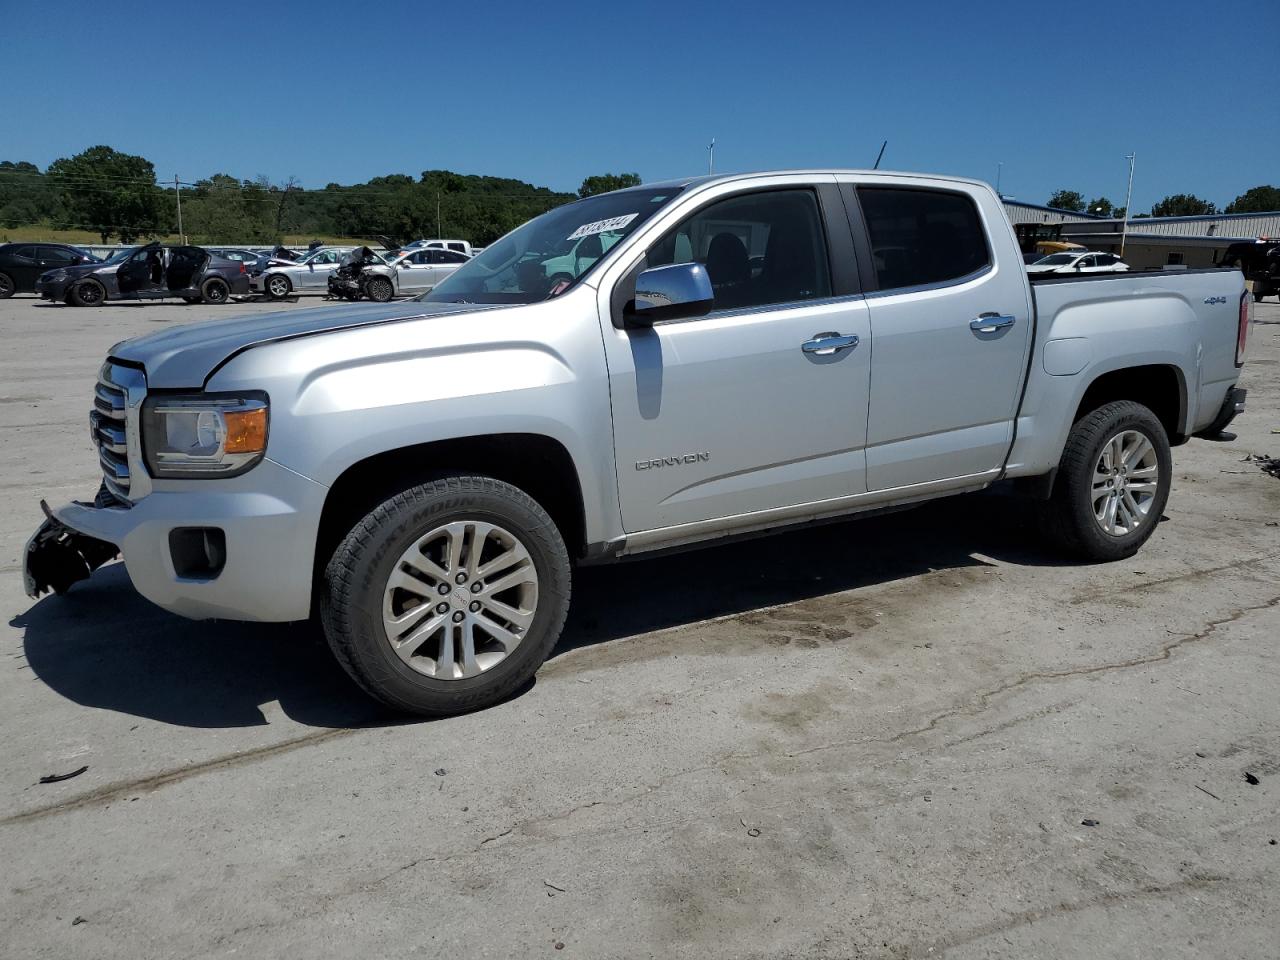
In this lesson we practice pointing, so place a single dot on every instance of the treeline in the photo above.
(116, 195)
(1260, 199)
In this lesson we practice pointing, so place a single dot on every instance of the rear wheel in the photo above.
(278, 286)
(7, 286)
(379, 290)
(447, 597)
(87, 293)
(1113, 483)
(215, 290)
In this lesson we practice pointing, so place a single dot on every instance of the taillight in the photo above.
(242, 266)
(1242, 332)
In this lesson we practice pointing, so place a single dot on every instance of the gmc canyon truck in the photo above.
(747, 352)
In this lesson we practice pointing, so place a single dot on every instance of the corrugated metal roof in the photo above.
(1033, 213)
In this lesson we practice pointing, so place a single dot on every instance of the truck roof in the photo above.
(705, 180)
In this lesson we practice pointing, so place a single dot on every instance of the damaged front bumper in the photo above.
(57, 556)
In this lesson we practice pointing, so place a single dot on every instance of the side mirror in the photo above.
(671, 293)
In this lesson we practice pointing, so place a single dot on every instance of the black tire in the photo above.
(355, 577)
(278, 286)
(87, 293)
(1068, 516)
(215, 290)
(7, 287)
(379, 289)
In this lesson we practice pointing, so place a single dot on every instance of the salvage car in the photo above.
(281, 278)
(418, 271)
(753, 351)
(363, 275)
(150, 272)
(22, 263)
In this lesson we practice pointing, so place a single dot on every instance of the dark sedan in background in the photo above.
(21, 264)
(147, 273)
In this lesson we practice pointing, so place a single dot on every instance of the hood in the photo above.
(184, 357)
(78, 270)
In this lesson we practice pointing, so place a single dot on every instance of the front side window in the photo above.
(551, 253)
(758, 248)
(57, 255)
(920, 237)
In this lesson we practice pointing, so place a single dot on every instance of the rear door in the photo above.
(745, 410)
(24, 266)
(950, 328)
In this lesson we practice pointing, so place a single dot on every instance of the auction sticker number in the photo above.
(600, 226)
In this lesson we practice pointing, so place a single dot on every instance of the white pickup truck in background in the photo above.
(743, 353)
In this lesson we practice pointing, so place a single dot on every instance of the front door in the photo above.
(760, 404)
(142, 272)
(415, 272)
(950, 329)
(314, 274)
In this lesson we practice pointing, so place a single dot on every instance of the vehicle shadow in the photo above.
(103, 645)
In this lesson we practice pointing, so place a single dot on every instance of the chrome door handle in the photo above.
(990, 323)
(825, 344)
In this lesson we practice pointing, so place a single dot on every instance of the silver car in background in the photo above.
(280, 278)
(421, 269)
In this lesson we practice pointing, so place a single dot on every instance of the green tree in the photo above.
(110, 192)
(1263, 199)
(1102, 207)
(1182, 205)
(1067, 200)
(604, 182)
(1119, 212)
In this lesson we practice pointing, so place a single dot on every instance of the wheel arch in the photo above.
(1162, 388)
(539, 465)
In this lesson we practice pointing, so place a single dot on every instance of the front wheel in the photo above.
(87, 293)
(447, 597)
(379, 290)
(215, 290)
(1113, 483)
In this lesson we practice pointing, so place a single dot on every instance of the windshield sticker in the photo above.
(600, 226)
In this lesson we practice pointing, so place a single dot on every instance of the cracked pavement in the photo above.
(878, 738)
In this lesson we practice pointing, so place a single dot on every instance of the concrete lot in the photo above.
(873, 739)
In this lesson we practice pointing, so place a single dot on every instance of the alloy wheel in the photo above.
(460, 599)
(1125, 479)
(278, 286)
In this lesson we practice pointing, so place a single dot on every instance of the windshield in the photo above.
(550, 253)
(1055, 259)
(120, 255)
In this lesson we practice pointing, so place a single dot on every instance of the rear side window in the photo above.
(57, 255)
(920, 237)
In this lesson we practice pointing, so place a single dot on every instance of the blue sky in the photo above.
(553, 92)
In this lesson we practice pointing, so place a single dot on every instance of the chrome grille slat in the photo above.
(109, 430)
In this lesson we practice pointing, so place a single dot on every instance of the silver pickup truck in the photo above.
(744, 353)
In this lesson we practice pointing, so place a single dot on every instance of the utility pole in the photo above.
(711, 156)
(178, 190)
(289, 184)
(439, 229)
(999, 171)
(880, 155)
(1128, 197)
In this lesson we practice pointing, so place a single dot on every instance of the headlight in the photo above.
(205, 435)
(54, 276)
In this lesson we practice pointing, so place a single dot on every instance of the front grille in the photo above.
(108, 423)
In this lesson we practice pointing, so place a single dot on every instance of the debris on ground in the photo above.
(1088, 822)
(59, 777)
(441, 771)
(1250, 779)
(1209, 792)
(751, 831)
(78, 920)
(1268, 465)
(548, 883)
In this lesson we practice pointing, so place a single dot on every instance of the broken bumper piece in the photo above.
(57, 556)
